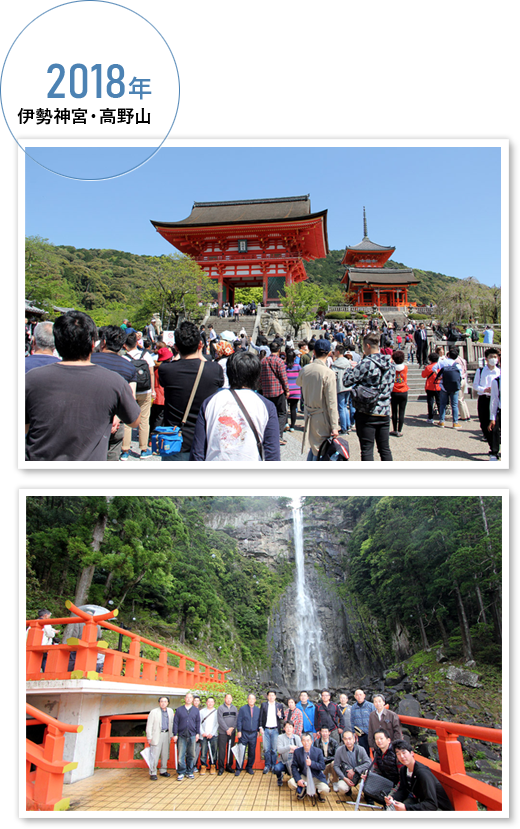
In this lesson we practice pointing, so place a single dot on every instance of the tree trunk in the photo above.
(83, 585)
(464, 627)
(444, 634)
(424, 638)
(108, 584)
(496, 591)
(87, 574)
(482, 613)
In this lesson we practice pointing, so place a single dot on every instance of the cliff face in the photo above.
(351, 645)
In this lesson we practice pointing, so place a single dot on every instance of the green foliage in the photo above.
(246, 295)
(238, 693)
(410, 558)
(469, 298)
(338, 315)
(111, 285)
(300, 303)
(418, 317)
(159, 564)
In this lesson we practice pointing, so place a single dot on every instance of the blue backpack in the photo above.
(451, 378)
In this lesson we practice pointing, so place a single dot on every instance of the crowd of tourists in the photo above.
(233, 399)
(357, 750)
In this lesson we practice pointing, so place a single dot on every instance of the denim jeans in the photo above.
(270, 741)
(453, 397)
(311, 456)
(279, 768)
(343, 410)
(205, 755)
(186, 746)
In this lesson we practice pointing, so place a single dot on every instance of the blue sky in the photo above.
(439, 207)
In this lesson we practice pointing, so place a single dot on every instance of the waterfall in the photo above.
(308, 645)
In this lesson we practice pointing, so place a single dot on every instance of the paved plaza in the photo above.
(421, 441)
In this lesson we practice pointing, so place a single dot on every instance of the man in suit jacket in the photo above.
(305, 759)
(271, 725)
(421, 341)
(383, 718)
(159, 727)
(248, 723)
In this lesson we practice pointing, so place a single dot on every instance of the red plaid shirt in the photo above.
(274, 376)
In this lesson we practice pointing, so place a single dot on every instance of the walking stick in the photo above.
(362, 786)
(229, 752)
(175, 744)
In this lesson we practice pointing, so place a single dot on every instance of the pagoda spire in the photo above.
(365, 233)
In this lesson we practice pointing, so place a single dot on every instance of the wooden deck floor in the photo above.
(131, 790)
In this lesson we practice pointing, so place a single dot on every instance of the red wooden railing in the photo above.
(44, 786)
(126, 747)
(119, 666)
(463, 791)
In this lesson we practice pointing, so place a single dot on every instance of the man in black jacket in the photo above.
(186, 731)
(329, 715)
(418, 789)
(384, 774)
(328, 746)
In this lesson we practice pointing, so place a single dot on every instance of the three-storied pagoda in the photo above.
(369, 281)
(251, 243)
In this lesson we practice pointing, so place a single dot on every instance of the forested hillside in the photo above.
(433, 565)
(158, 564)
(206, 572)
(111, 285)
(328, 273)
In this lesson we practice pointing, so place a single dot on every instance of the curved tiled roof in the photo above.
(246, 210)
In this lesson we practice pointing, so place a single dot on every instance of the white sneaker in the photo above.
(335, 787)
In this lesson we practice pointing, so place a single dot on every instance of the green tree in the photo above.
(300, 303)
(45, 285)
(176, 285)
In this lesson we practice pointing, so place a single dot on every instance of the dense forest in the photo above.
(431, 564)
(434, 564)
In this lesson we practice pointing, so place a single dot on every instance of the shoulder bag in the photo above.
(250, 422)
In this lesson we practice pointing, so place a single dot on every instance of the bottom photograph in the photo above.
(316, 654)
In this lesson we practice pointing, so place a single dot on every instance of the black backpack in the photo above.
(144, 380)
(474, 335)
(334, 449)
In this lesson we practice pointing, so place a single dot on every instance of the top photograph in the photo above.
(278, 302)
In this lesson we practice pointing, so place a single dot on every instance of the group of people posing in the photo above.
(316, 745)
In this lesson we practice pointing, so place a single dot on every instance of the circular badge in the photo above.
(92, 71)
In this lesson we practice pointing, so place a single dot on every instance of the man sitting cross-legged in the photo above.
(286, 745)
(308, 760)
(385, 770)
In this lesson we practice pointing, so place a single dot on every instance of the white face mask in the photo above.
(492, 361)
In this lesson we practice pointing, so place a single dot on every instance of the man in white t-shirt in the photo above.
(223, 431)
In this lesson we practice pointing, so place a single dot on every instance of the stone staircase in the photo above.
(227, 324)
(390, 314)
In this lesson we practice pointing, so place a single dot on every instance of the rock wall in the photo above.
(352, 647)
